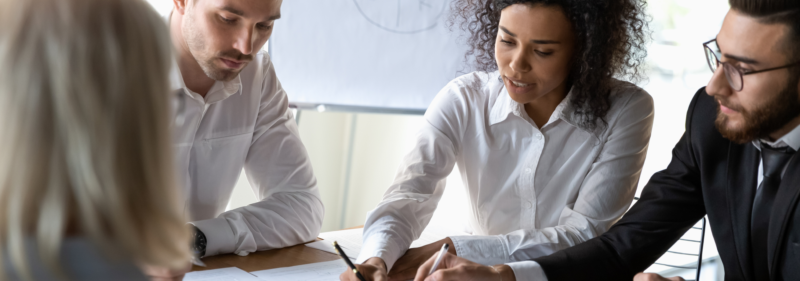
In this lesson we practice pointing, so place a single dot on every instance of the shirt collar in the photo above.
(792, 140)
(504, 106)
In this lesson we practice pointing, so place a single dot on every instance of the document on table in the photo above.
(222, 274)
(350, 240)
(322, 271)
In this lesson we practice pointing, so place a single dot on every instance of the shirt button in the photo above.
(538, 137)
(527, 170)
(528, 205)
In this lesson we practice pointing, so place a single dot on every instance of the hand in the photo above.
(373, 269)
(454, 268)
(406, 267)
(654, 277)
(157, 273)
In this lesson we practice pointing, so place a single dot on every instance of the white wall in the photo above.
(379, 143)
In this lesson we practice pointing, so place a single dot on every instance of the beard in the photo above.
(760, 122)
(222, 74)
(196, 42)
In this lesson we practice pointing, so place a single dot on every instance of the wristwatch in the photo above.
(200, 242)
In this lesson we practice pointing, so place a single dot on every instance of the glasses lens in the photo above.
(734, 77)
(711, 58)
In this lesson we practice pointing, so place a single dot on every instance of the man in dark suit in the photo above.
(736, 163)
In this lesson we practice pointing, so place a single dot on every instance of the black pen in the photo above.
(347, 260)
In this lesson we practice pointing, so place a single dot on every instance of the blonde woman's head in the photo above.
(84, 140)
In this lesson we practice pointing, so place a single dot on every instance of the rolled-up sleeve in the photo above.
(604, 196)
(289, 210)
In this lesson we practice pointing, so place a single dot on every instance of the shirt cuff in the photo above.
(219, 235)
(381, 246)
(528, 271)
(486, 250)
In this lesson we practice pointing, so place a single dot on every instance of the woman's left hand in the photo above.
(454, 268)
(406, 267)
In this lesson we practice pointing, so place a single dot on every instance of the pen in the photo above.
(444, 249)
(347, 260)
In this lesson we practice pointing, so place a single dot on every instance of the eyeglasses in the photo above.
(732, 72)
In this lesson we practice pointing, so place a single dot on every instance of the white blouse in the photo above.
(532, 191)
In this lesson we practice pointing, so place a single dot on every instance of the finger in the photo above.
(379, 277)
(348, 275)
(448, 274)
(641, 276)
(452, 261)
(425, 268)
(375, 276)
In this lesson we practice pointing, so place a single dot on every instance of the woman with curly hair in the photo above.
(550, 145)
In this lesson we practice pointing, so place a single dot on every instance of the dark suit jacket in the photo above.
(710, 175)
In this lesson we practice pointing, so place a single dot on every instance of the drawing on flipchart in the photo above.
(408, 16)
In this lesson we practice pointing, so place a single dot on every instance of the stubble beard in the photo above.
(197, 47)
(759, 123)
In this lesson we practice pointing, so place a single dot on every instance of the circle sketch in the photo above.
(402, 16)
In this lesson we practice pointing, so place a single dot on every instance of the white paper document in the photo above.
(322, 271)
(350, 240)
(222, 274)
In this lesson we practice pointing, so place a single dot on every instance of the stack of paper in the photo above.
(349, 240)
(222, 274)
(323, 271)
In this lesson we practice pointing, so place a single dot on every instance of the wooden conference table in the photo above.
(290, 256)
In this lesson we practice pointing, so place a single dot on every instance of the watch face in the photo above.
(402, 16)
(200, 243)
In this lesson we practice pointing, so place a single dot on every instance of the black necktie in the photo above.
(774, 160)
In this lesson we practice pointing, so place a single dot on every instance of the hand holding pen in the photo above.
(444, 266)
(347, 260)
(373, 269)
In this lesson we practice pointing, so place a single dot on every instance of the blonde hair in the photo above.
(84, 131)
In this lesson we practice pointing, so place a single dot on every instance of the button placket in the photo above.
(525, 183)
(537, 152)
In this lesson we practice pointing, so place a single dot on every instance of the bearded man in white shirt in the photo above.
(232, 113)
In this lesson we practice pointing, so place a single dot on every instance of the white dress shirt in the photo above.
(532, 191)
(532, 271)
(245, 123)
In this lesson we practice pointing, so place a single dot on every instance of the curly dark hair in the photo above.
(611, 38)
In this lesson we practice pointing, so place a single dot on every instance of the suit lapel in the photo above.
(782, 210)
(743, 161)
